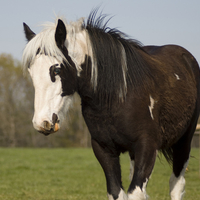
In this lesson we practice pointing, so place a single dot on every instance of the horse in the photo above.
(134, 98)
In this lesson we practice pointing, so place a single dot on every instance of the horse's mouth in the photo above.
(54, 128)
(45, 133)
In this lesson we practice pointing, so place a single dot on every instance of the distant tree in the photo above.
(16, 112)
(15, 101)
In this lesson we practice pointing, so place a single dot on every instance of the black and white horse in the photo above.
(140, 99)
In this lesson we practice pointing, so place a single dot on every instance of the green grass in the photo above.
(75, 174)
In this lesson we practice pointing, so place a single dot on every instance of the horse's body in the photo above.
(135, 98)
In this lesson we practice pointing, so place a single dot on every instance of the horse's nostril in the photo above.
(46, 125)
(54, 118)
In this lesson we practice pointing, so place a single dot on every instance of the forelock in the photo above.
(44, 42)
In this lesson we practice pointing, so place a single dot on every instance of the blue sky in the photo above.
(155, 22)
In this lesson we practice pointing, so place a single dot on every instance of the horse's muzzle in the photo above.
(50, 127)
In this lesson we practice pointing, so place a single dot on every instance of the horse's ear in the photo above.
(60, 34)
(28, 32)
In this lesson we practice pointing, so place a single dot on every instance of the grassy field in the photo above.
(75, 174)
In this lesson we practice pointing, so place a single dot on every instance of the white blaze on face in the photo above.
(48, 99)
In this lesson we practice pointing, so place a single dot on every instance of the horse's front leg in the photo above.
(111, 166)
(144, 162)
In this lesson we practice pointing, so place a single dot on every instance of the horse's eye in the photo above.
(57, 71)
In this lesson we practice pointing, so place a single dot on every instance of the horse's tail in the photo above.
(168, 154)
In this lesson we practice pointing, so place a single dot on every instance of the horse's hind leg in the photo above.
(181, 153)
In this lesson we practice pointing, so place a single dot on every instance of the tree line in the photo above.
(17, 108)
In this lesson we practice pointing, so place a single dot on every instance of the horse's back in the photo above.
(174, 55)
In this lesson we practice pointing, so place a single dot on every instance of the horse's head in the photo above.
(54, 75)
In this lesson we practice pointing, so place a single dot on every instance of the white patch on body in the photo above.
(139, 194)
(122, 196)
(177, 185)
(151, 106)
(177, 76)
(48, 99)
